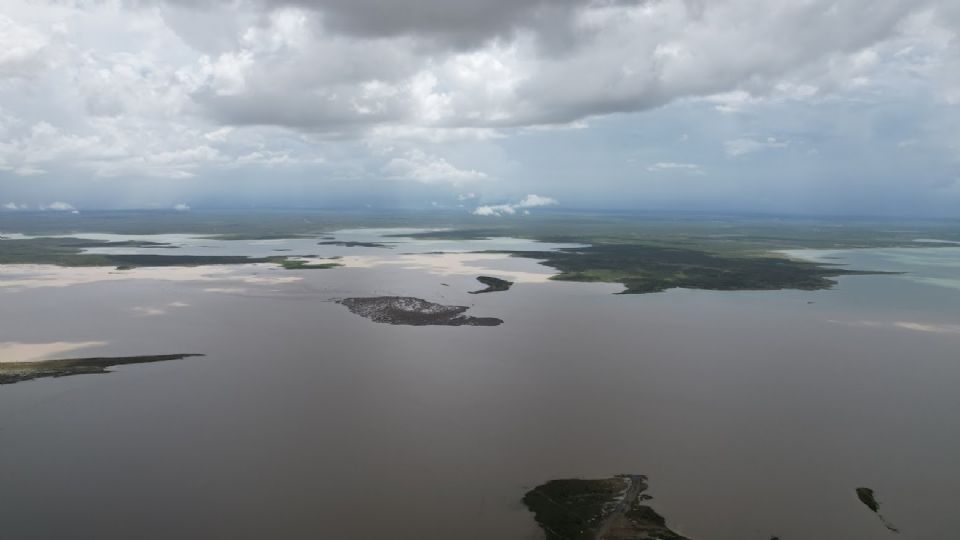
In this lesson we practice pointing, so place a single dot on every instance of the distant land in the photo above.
(644, 253)
(14, 372)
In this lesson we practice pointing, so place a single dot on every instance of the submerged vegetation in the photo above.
(14, 372)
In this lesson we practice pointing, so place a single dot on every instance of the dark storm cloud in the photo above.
(459, 24)
(432, 62)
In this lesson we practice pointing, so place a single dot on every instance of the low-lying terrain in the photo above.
(493, 284)
(411, 311)
(869, 499)
(646, 269)
(606, 508)
(14, 372)
(342, 243)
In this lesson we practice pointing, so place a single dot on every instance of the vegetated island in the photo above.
(14, 372)
(607, 508)
(493, 284)
(869, 499)
(407, 310)
(303, 264)
(648, 256)
(67, 251)
(342, 243)
(648, 269)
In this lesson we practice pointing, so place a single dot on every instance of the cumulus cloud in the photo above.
(530, 201)
(21, 49)
(170, 95)
(667, 166)
(58, 206)
(418, 166)
(745, 145)
(181, 207)
(508, 63)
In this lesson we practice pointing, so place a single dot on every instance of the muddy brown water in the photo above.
(753, 413)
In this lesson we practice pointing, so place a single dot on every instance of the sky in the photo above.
(493, 107)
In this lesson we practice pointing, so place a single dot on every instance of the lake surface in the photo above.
(753, 413)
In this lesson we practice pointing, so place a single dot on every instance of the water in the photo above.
(754, 413)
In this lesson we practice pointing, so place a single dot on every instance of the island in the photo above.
(869, 499)
(14, 372)
(407, 310)
(493, 284)
(342, 243)
(607, 508)
(305, 263)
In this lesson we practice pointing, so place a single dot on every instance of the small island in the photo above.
(14, 372)
(305, 263)
(342, 243)
(607, 508)
(869, 499)
(407, 310)
(493, 284)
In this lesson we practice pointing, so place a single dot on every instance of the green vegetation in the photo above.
(406, 310)
(14, 372)
(493, 284)
(608, 508)
(869, 499)
(354, 244)
(646, 269)
(301, 264)
(69, 252)
(644, 252)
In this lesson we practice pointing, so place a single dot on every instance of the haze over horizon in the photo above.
(495, 108)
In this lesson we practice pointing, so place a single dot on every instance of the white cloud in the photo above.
(668, 166)
(530, 201)
(181, 207)
(146, 311)
(494, 210)
(745, 145)
(204, 95)
(420, 167)
(58, 206)
(21, 48)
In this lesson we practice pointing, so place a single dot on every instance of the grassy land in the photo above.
(69, 252)
(14, 372)
(648, 254)
(300, 264)
(646, 269)
(492, 285)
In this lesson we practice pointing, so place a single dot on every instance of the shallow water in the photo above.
(754, 413)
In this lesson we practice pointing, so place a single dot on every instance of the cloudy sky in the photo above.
(806, 106)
